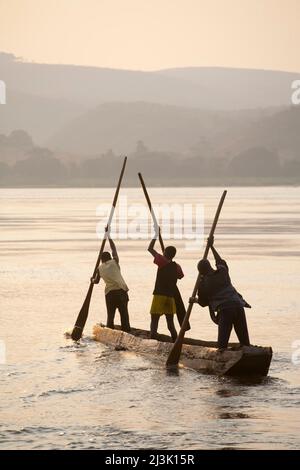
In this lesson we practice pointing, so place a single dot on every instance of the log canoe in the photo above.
(202, 356)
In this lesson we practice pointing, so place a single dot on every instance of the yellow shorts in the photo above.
(163, 305)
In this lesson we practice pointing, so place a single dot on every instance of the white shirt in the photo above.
(110, 272)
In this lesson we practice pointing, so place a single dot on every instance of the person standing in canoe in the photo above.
(168, 272)
(226, 305)
(116, 290)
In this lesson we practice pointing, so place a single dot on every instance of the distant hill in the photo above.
(92, 86)
(39, 116)
(231, 88)
(184, 131)
(278, 132)
(87, 110)
(167, 128)
(204, 87)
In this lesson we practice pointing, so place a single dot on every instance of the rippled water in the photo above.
(54, 394)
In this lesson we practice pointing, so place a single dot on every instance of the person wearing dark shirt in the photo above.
(163, 303)
(217, 292)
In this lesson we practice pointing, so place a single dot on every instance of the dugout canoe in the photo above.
(202, 356)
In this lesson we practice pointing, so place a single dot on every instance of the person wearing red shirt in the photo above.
(163, 303)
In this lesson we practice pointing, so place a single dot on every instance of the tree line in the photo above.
(40, 166)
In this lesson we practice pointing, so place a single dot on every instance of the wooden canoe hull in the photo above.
(199, 355)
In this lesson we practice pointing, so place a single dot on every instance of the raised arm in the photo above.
(113, 250)
(217, 257)
(152, 243)
(219, 261)
(111, 244)
(151, 247)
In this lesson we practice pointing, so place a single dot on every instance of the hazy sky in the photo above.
(154, 34)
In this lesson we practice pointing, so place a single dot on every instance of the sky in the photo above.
(154, 34)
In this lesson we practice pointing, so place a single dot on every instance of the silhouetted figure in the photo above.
(163, 303)
(216, 291)
(116, 290)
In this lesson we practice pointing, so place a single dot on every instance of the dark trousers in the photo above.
(180, 309)
(229, 316)
(154, 325)
(117, 299)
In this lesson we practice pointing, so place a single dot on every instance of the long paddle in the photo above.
(175, 352)
(83, 314)
(151, 210)
(180, 309)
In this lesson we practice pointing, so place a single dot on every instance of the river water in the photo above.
(58, 395)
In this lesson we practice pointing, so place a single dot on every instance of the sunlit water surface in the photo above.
(55, 394)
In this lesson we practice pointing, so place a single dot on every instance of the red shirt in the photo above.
(161, 261)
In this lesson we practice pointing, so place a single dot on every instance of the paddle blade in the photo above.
(82, 316)
(174, 356)
(76, 333)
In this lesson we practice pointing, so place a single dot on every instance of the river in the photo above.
(58, 395)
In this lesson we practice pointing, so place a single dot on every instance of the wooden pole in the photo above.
(151, 210)
(83, 314)
(175, 352)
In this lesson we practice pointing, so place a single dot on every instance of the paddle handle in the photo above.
(151, 211)
(110, 216)
(175, 352)
(213, 227)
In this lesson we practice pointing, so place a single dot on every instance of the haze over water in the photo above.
(55, 394)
